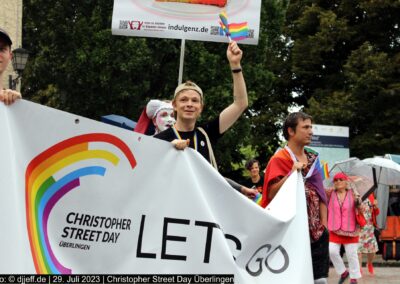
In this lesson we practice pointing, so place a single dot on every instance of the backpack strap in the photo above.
(210, 150)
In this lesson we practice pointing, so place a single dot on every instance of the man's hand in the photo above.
(249, 192)
(9, 96)
(180, 144)
(298, 166)
(234, 54)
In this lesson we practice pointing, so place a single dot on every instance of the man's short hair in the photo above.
(292, 120)
(250, 163)
(4, 35)
(188, 85)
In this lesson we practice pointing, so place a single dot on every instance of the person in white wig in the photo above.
(156, 117)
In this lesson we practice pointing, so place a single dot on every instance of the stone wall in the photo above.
(11, 21)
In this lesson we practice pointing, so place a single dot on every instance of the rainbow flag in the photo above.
(239, 31)
(234, 31)
(257, 198)
(324, 170)
(224, 18)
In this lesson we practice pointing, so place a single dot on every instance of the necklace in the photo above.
(341, 196)
(179, 136)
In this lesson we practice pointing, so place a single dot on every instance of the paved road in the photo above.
(383, 275)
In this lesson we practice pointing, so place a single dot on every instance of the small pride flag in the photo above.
(324, 170)
(257, 198)
(234, 31)
(239, 31)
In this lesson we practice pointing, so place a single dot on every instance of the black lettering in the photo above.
(72, 230)
(139, 252)
(285, 257)
(268, 254)
(166, 238)
(95, 221)
(210, 227)
(65, 234)
(78, 235)
(78, 219)
(86, 221)
(70, 214)
(86, 235)
(258, 259)
(236, 241)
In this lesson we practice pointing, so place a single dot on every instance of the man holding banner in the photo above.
(297, 130)
(188, 104)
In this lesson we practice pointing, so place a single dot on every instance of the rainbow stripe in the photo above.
(224, 18)
(323, 169)
(234, 31)
(257, 198)
(220, 3)
(239, 31)
(43, 191)
(224, 30)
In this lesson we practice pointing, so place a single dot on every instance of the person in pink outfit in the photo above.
(343, 228)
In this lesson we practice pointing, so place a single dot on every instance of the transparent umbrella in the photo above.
(361, 176)
(387, 171)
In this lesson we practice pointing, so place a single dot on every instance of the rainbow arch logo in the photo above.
(43, 191)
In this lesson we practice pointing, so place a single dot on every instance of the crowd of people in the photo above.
(333, 214)
(336, 216)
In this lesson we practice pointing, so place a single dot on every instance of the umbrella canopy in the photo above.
(119, 120)
(361, 176)
(387, 171)
(393, 157)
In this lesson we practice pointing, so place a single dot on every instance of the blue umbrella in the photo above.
(119, 120)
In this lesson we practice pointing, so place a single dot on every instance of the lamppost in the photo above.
(20, 57)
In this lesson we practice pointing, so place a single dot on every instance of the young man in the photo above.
(256, 179)
(7, 96)
(297, 130)
(188, 104)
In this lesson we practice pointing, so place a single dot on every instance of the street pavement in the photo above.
(386, 272)
(383, 275)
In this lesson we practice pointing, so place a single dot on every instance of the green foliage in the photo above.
(77, 65)
(338, 59)
(345, 63)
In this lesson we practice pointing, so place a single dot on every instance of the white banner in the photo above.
(169, 19)
(80, 196)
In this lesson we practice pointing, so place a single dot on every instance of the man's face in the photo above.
(164, 119)
(303, 133)
(5, 55)
(254, 170)
(188, 105)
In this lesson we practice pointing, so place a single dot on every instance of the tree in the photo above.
(76, 65)
(345, 63)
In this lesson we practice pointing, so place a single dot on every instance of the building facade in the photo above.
(11, 21)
